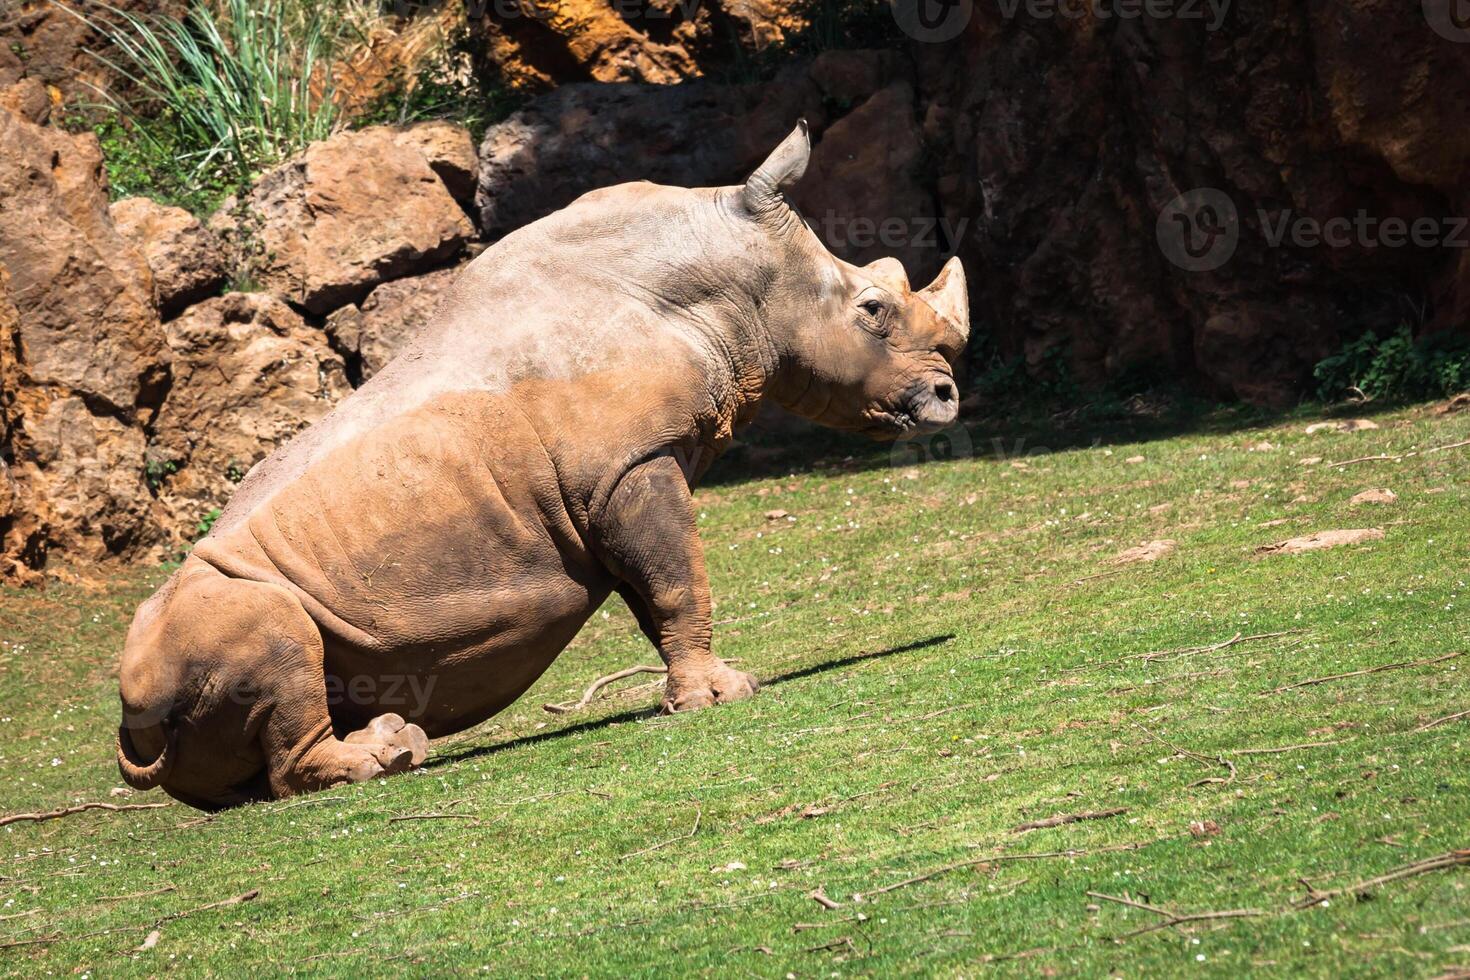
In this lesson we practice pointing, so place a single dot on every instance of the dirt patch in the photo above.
(1149, 551)
(1341, 425)
(1381, 495)
(1321, 541)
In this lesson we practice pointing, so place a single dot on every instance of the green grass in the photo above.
(945, 651)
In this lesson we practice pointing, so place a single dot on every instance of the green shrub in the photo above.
(227, 91)
(1396, 367)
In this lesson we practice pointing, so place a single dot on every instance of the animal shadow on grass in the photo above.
(478, 751)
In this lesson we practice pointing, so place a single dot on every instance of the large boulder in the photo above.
(187, 261)
(248, 374)
(353, 211)
(85, 295)
(82, 358)
(371, 332)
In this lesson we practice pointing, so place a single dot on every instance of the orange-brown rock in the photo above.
(450, 151)
(187, 261)
(542, 43)
(377, 328)
(248, 374)
(82, 358)
(353, 211)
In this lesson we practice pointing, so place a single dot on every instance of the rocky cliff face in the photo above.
(1066, 141)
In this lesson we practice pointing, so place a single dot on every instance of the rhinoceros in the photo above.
(451, 525)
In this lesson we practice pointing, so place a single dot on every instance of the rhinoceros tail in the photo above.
(137, 773)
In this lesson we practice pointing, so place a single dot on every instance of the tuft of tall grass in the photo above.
(243, 83)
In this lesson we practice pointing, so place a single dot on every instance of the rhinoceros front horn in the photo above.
(782, 169)
(948, 296)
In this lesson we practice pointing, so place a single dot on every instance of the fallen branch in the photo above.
(1359, 673)
(249, 896)
(80, 808)
(1171, 919)
(1449, 859)
(999, 858)
(698, 815)
(1181, 652)
(599, 684)
(1065, 818)
(820, 897)
(1386, 458)
(433, 816)
(1443, 721)
(1282, 748)
(1219, 760)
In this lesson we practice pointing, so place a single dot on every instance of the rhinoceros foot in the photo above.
(703, 686)
(397, 745)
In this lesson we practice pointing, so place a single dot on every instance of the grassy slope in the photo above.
(921, 632)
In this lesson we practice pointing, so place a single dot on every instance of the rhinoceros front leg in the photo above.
(647, 537)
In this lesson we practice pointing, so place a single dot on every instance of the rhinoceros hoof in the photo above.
(718, 687)
(397, 745)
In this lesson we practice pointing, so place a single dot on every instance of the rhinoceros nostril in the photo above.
(944, 391)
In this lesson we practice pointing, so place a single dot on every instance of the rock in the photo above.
(1341, 425)
(381, 324)
(84, 294)
(1376, 496)
(537, 44)
(353, 211)
(581, 137)
(1321, 541)
(82, 359)
(27, 98)
(1149, 551)
(247, 375)
(451, 153)
(187, 261)
(47, 41)
(1458, 403)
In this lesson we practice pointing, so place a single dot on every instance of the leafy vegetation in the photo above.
(949, 654)
(231, 88)
(1396, 367)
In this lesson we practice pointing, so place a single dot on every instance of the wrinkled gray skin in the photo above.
(412, 563)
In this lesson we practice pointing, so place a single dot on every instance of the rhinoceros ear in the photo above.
(948, 296)
(782, 169)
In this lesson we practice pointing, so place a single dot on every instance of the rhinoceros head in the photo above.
(859, 349)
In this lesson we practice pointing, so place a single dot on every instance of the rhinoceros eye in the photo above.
(873, 308)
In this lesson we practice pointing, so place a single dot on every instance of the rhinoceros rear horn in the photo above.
(948, 296)
(782, 169)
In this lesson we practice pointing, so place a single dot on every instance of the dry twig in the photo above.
(599, 684)
(1439, 862)
(1387, 458)
(1172, 919)
(1180, 652)
(698, 815)
(1359, 673)
(1065, 818)
(1443, 721)
(80, 808)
